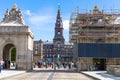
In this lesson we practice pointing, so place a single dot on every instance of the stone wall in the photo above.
(84, 63)
(22, 38)
(113, 69)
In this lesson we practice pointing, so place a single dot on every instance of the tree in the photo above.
(13, 54)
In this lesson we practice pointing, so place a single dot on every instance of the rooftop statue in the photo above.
(13, 16)
(96, 10)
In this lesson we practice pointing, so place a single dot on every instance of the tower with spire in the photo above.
(58, 40)
(58, 28)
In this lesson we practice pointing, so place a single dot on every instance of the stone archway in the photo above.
(15, 33)
(7, 55)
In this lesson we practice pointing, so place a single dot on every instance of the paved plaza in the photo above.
(9, 73)
(59, 74)
(46, 74)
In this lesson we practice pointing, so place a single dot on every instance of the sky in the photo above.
(40, 15)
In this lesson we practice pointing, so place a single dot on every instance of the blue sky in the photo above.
(40, 15)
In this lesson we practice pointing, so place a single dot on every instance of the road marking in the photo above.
(51, 76)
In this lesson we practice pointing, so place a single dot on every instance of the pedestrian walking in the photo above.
(1, 64)
(69, 65)
(52, 64)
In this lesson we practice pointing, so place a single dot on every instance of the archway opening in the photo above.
(100, 64)
(9, 56)
(13, 57)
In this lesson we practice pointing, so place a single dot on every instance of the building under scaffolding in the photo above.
(95, 27)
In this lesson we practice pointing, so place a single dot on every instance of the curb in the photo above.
(90, 76)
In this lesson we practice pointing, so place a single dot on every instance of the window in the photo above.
(58, 19)
(66, 50)
(58, 49)
(36, 45)
(58, 32)
(50, 50)
(64, 46)
(58, 45)
(36, 52)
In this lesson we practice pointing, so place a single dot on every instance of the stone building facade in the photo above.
(95, 27)
(14, 33)
(49, 52)
(37, 51)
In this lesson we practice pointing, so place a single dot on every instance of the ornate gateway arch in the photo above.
(14, 34)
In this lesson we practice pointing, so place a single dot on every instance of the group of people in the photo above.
(4, 64)
(42, 64)
(69, 64)
(54, 64)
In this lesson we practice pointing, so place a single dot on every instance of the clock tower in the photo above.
(58, 39)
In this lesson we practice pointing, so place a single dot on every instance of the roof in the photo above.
(47, 42)
(67, 43)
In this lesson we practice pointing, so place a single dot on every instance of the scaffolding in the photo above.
(95, 26)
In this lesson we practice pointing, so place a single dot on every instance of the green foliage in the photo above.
(96, 60)
(13, 54)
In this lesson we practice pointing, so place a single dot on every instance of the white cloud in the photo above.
(43, 23)
(66, 24)
(40, 20)
(27, 12)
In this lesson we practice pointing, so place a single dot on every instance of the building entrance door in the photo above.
(9, 56)
(100, 64)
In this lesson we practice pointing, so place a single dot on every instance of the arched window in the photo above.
(58, 32)
(58, 45)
